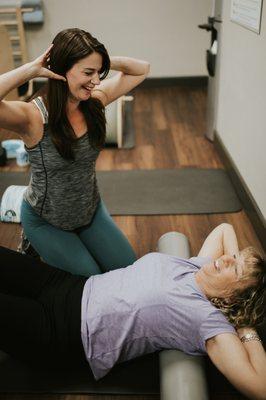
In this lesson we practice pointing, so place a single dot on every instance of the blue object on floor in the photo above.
(11, 146)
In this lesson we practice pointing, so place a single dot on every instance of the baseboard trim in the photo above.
(189, 81)
(249, 204)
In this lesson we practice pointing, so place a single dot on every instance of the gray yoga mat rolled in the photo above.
(158, 192)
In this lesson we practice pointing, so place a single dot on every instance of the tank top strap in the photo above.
(38, 101)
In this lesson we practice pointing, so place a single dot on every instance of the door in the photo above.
(213, 62)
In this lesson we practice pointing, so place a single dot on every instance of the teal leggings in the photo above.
(93, 249)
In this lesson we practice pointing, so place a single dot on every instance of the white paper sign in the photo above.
(247, 13)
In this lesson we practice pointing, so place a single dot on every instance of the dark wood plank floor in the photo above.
(170, 125)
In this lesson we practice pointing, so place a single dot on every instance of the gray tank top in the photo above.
(63, 192)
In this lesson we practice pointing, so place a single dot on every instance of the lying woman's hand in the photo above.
(245, 330)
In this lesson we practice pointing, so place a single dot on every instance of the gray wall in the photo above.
(241, 116)
(163, 32)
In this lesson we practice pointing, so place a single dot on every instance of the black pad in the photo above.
(139, 376)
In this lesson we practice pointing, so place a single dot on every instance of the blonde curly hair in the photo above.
(246, 307)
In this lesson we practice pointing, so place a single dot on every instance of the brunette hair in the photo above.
(70, 46)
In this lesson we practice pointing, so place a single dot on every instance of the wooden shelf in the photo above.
(15, 29)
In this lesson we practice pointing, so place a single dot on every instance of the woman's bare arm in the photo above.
(222, 240)
(131, 73)
(16, 115)
(243, 364)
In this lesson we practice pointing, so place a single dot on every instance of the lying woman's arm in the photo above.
(222, 240)
(243, 364)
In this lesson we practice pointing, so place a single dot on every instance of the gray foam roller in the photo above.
(182, 377)
(175, 244)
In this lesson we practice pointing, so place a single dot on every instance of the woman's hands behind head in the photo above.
(41, 66)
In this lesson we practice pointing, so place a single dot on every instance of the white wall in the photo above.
(163, 32)
(241, 117)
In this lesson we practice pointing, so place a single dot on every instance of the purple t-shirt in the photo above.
(151, 305)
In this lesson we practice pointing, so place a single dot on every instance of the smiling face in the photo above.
(84, 76)
(222, 277)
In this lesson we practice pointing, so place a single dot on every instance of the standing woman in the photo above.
(62, 213)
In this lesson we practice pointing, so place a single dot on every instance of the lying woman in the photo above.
(206, 304)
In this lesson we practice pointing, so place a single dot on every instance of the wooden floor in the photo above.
(170, 125)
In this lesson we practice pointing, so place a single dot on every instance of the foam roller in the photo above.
(174, 244)
(182, 377)
(114, 113)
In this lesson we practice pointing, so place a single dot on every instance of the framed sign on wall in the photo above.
(247, 13)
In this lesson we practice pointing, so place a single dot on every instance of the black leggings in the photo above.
(40, 311)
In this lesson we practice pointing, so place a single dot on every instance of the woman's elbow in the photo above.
(147, 68)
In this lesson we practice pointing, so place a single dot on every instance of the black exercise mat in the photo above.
(139, 376)
(158, 192)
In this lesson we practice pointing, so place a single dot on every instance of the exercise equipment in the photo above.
(13, 17)
(115, 121)
(11, 204)
(6, 58)
(11, 146)
(35, 15)
(181, 376)
(32, 10)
